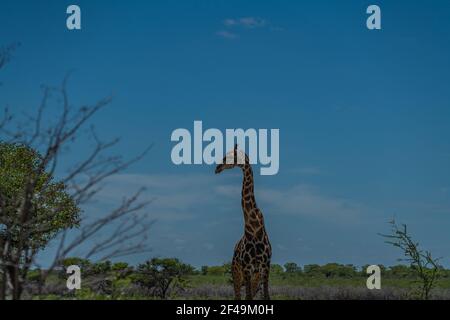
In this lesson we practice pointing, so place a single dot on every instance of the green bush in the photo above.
(292, 267)
(159, 276)
(84, 264)
(101, 267)
(276, 269)
(120, 266)
(312, 270)
(204, 270)
(216, 271)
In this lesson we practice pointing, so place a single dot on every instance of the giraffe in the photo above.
(252, 254)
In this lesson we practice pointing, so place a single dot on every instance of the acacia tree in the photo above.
(422, 262)
(291, 267)
(159, 276)
(38, 209)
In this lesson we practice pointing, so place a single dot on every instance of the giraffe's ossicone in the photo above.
(252, 254)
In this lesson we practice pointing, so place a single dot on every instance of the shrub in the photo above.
(204, 270)
(102, 267)
(276, 269)
(159, 276)
(312, 270)
(216, 271)
(421, 262)
(292, 267)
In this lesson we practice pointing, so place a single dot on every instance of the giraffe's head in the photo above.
(232, 159)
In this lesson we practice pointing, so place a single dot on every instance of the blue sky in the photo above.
(363, 115)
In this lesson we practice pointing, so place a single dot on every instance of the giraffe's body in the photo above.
(252, 254)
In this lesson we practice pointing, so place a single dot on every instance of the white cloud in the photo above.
(309, 201)
(227, 35)
(185, 197)
(174, 197)
(199, 216)
(246, 22)
(241, 24)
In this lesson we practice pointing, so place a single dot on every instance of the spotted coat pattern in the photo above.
(253, 252)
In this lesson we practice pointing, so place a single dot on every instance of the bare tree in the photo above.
(53, 134)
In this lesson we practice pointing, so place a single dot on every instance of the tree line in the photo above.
(164, 277)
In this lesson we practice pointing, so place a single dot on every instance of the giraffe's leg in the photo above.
(237, 279)
(248, 284)
(265, 280)
(255, 283)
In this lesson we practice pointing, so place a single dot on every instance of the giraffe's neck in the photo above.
(252, 216)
